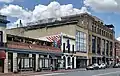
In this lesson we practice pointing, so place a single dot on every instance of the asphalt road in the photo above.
(104, 72)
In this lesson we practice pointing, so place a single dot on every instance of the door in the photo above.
(73, 62)
(34, 61)
(1, 65)
(64, 62)
(10, 62)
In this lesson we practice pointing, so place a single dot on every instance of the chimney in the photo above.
(21, 25)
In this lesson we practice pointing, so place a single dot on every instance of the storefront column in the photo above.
(66, 63)
(37, 66)
(62, 62)
(71, 62)
(96, 45)
(14, 62)
(88, 61)
(6, 63)
(75, 62)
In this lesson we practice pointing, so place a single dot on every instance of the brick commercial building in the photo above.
(86, 39)
(18, 53)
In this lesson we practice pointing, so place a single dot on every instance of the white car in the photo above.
(102, 66)
(117, 65)
(94, 66)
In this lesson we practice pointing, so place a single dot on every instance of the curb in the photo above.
(40, 73)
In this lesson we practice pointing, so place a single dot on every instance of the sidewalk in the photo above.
(40, 73)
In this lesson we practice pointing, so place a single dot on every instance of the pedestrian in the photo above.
(51, 67)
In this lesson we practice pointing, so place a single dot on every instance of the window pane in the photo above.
(81, 41)
(26, 64)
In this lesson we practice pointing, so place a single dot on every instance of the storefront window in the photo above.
(46, 62)
(26, 63)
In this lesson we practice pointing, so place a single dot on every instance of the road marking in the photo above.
(50, 74)
(106, 73)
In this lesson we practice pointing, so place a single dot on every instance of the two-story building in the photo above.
(67, 45)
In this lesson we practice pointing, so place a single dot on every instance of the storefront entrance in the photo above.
(73, 62)
(10, 62)
(49, 63)
(1, 65)
(2, 58)
(81, 62)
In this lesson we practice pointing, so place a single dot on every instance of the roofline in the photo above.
(51, 24)
(55, 22)
(26, 37)
(59, 23)
(67, 35)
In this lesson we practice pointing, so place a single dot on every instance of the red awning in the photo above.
(2, 54)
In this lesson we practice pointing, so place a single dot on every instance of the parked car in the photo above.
(102, 66)
(117, 65)
(92, 67)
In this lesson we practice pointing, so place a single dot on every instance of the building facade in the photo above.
(117, 51)
(3, 60)
(18, 53)
(67, 44)
(101, 42)
(27, 54)
(94, 41)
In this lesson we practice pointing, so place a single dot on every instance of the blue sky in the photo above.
(108, 15)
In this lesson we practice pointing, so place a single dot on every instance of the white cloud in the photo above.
(104, 5)
(53, 10)
(15, 11)
(6, 1)
(118, 38)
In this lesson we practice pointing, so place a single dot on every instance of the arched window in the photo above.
(69, 63)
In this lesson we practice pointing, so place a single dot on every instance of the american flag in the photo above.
(55, 38)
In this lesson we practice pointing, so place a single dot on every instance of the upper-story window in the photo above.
(100, 31)
(93, 44)
(63, 47)
(103, 46)
(1, 36)
(92, 28)
(81, 39)
(2, 24)
(95, 29)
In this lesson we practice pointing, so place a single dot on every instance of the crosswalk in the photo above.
(51, 74)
